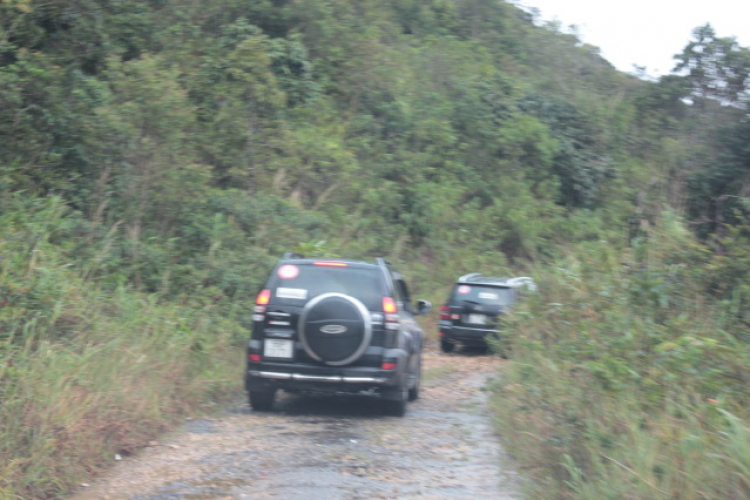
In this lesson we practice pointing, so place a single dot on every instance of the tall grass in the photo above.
(87, 373)
(627, 381)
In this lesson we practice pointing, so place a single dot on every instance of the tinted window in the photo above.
(484, 294)
(402, 295)
(303, 282)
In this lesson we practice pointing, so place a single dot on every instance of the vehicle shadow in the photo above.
(346, 406)
(305, 404)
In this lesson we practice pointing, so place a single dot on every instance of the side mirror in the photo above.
(423, 306)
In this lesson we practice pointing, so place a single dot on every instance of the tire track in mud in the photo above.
(316, 447)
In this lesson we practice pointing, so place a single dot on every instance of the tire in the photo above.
(261, 400)
(446, 346)
(335, 329)
(397, 407)
(414, 391)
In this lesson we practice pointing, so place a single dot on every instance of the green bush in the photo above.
(89, 371)
(626, 381)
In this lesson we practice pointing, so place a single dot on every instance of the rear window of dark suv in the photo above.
(482, 294)
(296, 284)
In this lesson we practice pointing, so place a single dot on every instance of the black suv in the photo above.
(335, 326)
(471, 312)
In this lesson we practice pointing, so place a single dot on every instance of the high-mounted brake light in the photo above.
(331, 264)
(264, 298)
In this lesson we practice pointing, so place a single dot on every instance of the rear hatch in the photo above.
(479, 305)
(294, 285)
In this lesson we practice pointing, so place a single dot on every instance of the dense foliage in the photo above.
(156, 157)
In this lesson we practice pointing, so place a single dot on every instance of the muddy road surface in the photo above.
(315, 447)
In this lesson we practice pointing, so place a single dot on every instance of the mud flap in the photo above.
(258, 384)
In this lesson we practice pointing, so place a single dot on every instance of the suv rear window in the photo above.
(296, 284)
(480, 294)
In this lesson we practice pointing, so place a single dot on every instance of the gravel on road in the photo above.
(319, 447)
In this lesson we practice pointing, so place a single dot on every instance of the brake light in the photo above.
(330, 264)
(264, 298)
(254, 357)
(388, 366)
(261, 301)
(445, 312)
(392, 321)
(389, 305)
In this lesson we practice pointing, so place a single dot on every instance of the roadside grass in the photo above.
(87, 373)
(626, 382)
(70, 404)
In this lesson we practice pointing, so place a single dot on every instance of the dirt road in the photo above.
(326, 448)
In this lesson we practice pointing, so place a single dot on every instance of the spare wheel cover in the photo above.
(335, 328)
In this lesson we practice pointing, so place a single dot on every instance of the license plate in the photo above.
(275, 348)
(477, 319)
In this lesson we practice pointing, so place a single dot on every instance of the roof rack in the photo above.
(478, 278)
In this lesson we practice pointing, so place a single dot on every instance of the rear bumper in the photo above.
(471, 336)
(300, 377)
(266, 375)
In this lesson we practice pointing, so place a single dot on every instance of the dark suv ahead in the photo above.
(335, 326)
(471, 312)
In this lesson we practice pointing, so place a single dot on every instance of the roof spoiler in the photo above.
(478, 278)
(523, 281)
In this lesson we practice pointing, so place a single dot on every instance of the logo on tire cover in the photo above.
(333, 329)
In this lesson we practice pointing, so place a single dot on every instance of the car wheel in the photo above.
(397, 407)
(414, 391)
(261, 400)
(446, 346)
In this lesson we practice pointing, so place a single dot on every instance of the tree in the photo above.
(717, 68)
(239, 98)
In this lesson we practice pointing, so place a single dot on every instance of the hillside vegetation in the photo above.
(157, 157)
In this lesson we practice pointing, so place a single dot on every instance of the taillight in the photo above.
(445, 312)
(254, 357)
(388, 365)
(264, 298)
(391, 317)
(389, 305)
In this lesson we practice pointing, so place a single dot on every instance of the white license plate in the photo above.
(477, 319)
(275, 348)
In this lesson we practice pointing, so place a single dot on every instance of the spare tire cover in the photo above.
(335, 328)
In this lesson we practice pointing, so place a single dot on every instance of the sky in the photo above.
(645, 32)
